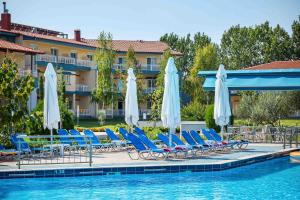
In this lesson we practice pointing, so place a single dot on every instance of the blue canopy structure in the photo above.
(277, 79)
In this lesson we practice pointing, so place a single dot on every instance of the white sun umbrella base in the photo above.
(170, 111)
(131, 103)
(51, 108)
(222, 111)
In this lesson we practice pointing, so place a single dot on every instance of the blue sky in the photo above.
(148, 20)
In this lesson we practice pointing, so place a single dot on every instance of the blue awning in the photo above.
(283, 79)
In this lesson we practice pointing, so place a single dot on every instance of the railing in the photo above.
(82, 88)
(24, 72)
(280, 135)
(64, 60)
(147, 67)
(149, 90)
(46, 149)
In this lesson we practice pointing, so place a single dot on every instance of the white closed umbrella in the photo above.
(131, 103)
(170, 111)
(51, 108)
(222, 110)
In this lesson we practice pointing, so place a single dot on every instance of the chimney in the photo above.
(77, 35)
(5, 18)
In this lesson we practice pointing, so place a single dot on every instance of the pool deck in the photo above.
(121, 159)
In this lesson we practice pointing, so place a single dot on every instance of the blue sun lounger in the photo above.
(141, 132)
(155, 149)
(96, 143)
(218, 144)
(191, 141)
(199, 140)
(65, 139)
(143, 151)
(239, 144)
(115, 139)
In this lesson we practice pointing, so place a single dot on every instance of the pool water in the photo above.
(274, 179)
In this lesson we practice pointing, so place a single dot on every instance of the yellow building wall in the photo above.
(62, 49)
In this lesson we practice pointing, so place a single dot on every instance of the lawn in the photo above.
(92, 123)
(283, 122)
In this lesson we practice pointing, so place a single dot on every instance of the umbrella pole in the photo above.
(222, 131)
(170, 138)
(51, 138)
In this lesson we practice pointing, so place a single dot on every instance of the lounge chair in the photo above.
(78, 138)
(182, 147)
(7, 153)
(96, 143)
(115, 139)
(141, 132)
(65, 139)
(143, 151)
(155, 149)
(220, 145)
(191, 141)
(240, 144)
(200, 141)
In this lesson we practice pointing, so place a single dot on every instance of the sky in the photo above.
(150, 19)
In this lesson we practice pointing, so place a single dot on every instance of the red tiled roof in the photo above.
(139, 46)
(8, 46)
(291, 64)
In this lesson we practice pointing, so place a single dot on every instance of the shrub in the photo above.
(209, 118)
(152, 132)
(193, 111)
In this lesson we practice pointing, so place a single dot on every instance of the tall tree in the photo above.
(248, 46)
(206, 58)
(296, 38)
(14, 93)
(104, 58)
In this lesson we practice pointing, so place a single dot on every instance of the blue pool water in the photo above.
(274, 179)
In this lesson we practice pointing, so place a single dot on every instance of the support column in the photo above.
(74, 104)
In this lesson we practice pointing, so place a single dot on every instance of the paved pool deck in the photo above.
(121, 159)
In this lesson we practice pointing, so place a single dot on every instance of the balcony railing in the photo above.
(149, 90)
(147, 67)
(64, 60)
(82, 88)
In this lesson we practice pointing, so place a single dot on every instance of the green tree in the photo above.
(248, 46)
(14, 93)
(296, 38)
(131, 61)
(162, 65)
(156, 100)
(104, 57)
(66, 116)
(206, 58)
(265, 108)
(41, 87)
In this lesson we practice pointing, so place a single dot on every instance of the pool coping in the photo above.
(138, 169)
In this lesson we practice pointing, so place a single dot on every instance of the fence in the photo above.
(44, 149)
(287, 136)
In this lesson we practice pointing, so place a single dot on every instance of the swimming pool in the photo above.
(273, 179)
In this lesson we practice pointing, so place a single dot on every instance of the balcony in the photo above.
(149, 90)
(67, 62)
(79, 89)
(144, 68)
(82, 88)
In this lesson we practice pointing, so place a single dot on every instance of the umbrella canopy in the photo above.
(131, 103)
(170, 111)
(222, 110)
(51, 109)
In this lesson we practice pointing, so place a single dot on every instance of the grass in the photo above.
(93, 123)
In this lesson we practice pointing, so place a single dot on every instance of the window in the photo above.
(89, 57)
(73, 55)
(54, 52)
(151, 62)
(120, 85)
(151, 83)
(67, 78)
(149, 104)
